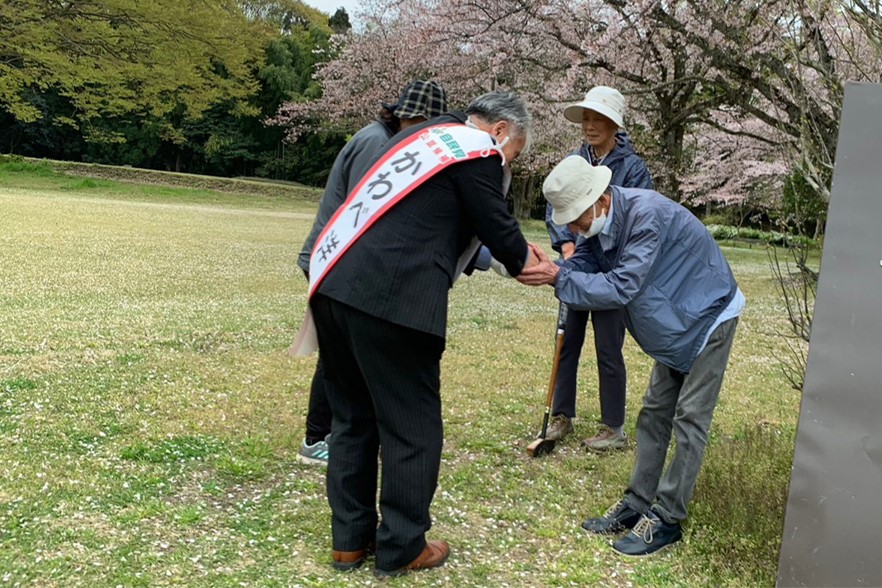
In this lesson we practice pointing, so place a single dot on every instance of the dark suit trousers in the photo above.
(609, 336)
(318, 417)
(383, 384)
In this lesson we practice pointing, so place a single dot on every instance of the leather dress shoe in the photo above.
(434, 554)
(345, 561)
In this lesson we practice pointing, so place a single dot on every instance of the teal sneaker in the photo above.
(315, 454)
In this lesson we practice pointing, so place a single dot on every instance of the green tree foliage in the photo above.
(339, 22)
(115, 57)
(803, 209)
(182, 86)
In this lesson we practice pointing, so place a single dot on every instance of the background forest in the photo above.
(172, 85)
(735, 105)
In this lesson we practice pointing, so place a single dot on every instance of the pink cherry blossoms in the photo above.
(724, 101)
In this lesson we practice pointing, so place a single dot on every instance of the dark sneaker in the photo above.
(315, 454)
(434, 554)
(559, 427)
(620, 517)
(650, 535)
(606, 440)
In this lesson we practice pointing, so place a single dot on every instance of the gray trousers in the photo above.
(683, 404)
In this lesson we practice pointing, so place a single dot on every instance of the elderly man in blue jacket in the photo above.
(647, 254)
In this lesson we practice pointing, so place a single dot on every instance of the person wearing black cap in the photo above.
(419, 101)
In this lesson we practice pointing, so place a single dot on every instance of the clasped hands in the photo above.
(539, 270)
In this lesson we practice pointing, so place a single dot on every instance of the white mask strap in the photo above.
(497, 147)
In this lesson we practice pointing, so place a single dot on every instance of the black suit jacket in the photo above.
(402, 268)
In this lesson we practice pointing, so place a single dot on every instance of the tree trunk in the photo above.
(523, 195)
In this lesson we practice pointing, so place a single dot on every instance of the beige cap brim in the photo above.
(575, 112)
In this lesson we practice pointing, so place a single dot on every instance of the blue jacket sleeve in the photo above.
(638, 176)
(583, 289)
(558, 234)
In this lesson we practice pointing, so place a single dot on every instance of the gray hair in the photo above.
(493, 107)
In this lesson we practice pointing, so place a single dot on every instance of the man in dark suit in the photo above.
(419, 101)
(381, 317)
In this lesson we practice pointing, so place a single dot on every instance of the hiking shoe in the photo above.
(315, 454)
(648, 536)
(606, 440)
(559, 427)
(619, 517)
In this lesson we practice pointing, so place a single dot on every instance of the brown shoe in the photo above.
(559, 427)
(345, 561)
(606, 440)
(434, 554)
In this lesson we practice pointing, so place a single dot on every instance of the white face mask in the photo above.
(596, 224)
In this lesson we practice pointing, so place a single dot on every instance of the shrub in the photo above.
(739, 501)
(730, 233)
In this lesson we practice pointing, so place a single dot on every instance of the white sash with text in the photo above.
(397, 174)
(413, 161)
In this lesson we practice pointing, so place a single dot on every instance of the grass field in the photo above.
(150, 416)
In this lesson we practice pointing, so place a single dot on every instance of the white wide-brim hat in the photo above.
(607, 101)
(573, 186)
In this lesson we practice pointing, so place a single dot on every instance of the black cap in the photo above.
(420, 98)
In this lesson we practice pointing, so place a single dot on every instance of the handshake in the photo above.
(538, 270)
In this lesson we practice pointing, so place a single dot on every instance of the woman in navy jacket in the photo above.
(600, 114)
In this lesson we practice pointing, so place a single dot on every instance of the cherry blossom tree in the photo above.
(550, 51)
(785, 62)
(740, 165)
(689, 69)
(453, 43)
(868, 15)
